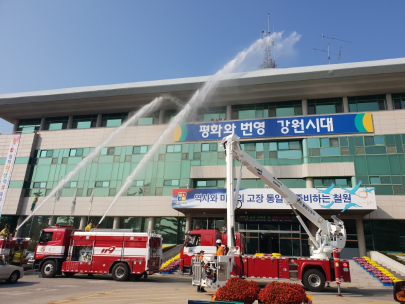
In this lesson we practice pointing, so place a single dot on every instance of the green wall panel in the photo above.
(378, 165)
(394, 164)
(104, 172)
(41, 173)
(172, 170)
(45, 161)
(360, 165)
(19, 160)
(16, 184)
(74, 160)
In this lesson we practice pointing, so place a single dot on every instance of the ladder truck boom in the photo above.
(329, 235)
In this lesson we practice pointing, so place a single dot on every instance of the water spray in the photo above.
(143, 111)
(196, 100)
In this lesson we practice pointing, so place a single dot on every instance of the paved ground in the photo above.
(156, 289)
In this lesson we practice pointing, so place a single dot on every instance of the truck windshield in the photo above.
(45, 237)
(193, 240)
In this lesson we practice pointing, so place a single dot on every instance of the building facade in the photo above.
(60, 127)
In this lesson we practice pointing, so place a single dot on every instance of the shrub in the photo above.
(238, 290)
(283, 293)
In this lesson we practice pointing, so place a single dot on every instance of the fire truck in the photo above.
(323, 265)
(8, 247)
(119, 252)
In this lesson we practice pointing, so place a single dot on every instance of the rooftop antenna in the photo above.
(267, 62)
(327, 46)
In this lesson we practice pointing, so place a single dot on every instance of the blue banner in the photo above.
(275, 127)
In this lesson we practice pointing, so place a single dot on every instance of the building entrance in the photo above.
(269, 243)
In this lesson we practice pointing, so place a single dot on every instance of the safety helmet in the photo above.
(7, 226)
(92, 221)
(219, 241)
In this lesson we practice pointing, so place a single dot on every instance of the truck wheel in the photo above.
(314, 280)
(13, 278)
(48, 269)
(120, 272)
(69, 274)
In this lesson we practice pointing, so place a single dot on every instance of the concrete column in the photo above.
(16, 123)
(116, 223)
(354, 181)
(151, 224)
(188, 223)
(42, 125)
(360, 237)
(390, 106)
(305, 107)
(83, 222)
(99, 118)
(161, 117)
(19, 221)
(310, 182)
(70, 122)
(305, 151)
(52, 220)
(229, 112)
(345, 104)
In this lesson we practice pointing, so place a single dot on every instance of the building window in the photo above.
(107, 151)
(39, 185)
(89, 191)
(102, 184)
(46, 153)
(70, 185)
(325, 106)
(210, 183)
(209, 147)
(29, 125)
(56, 123)
(169, 115)
(380, 180)
(367, 103)
(399, 101)
(374, 140)
(184, 156)
(84, 121)
(113, 120)
(211, 114)
(197, 155)
(171, 182)
(111, 192)
(153, 119)
(173, 149)
(128, 158)
(140, 149)
(264, 110)
(327, 182)
(76, 152)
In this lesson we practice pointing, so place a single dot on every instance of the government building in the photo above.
(335, 134)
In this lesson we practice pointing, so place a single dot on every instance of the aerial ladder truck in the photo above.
(323, 265)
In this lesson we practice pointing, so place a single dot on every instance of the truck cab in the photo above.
(205, 239)
(52, 249)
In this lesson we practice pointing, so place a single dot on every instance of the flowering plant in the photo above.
(238, 290)
(282, 293)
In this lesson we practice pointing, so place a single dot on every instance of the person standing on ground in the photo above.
(18, 257)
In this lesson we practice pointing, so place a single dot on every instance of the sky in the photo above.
(47, 44)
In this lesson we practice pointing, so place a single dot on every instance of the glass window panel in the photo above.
(103, 151)
(175, 182)
(283, 145)
(170, 149)
(325, 142)
(83, 124)
(49, 153)
(273, 146)
(385, 180)
(114, 122)
(341, 182)
(145, 121)
(144, 149)
(246, 114)
(313, 143)
(55, 126)
(139, 183)
(167, 183)
(213, 147)
(201, 183)
(73, 184)
(369, 140)
(328, 181)
(330, 151)
(289, 154)
(367, 106)
(99, 184)
(106, 184)
(136, 150)
(294, 145)
(374, 180)
(379, 140)
(325, 109)
(205, 147)
(211, 183)
(285, 112)
(334, 142)
(177, 148)
(250, 146)
(259, 147)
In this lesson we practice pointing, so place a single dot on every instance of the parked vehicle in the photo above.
(30, 260)
(10, 273)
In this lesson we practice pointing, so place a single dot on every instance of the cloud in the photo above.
(285, 47)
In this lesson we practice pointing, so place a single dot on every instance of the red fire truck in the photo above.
(8, 247)
(120, 252)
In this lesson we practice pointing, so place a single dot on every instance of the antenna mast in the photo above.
(267, 62)
(327, 46)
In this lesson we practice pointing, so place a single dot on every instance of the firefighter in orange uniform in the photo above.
(220, 249)
(200, 258)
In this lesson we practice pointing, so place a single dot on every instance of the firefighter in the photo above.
(220, 249)
(5, 232)
(89, 226)
(18, 257)
(200, 258)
